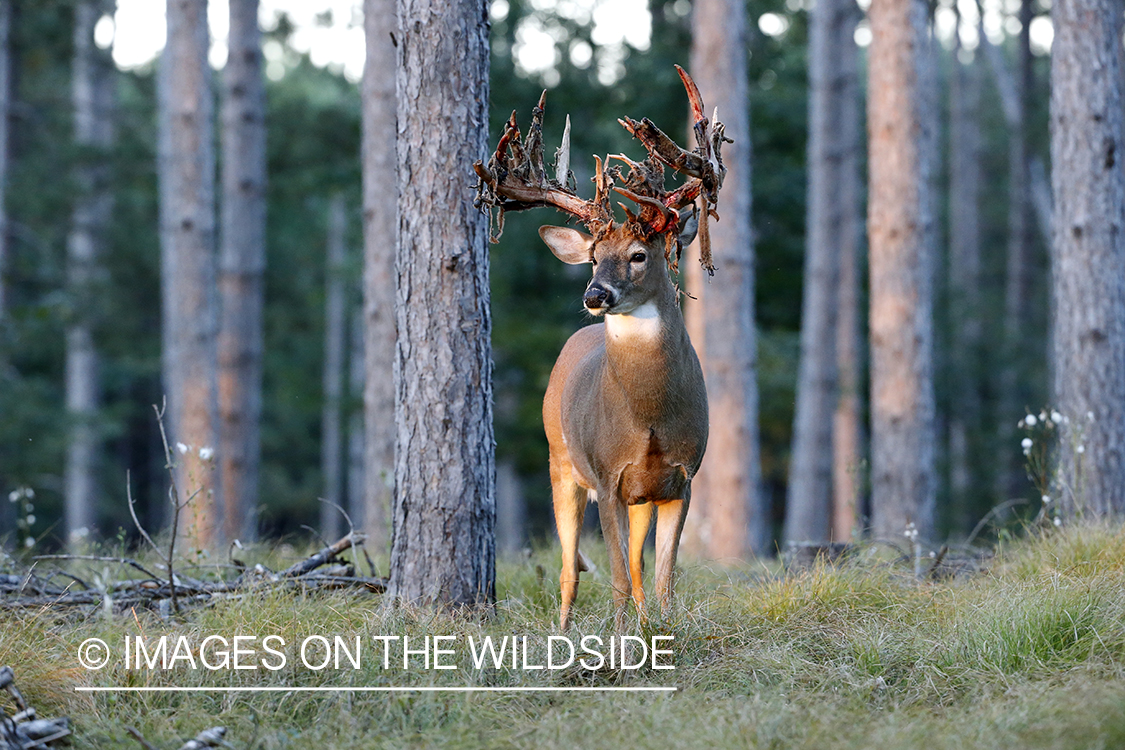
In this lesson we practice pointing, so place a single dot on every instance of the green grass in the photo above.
(1030, 654)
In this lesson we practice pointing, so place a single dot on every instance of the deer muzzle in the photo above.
(598, 298)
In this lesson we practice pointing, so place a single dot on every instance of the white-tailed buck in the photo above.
(626, 408)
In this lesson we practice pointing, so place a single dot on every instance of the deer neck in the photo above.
(644, 353)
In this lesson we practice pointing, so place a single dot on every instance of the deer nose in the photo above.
(596, 297)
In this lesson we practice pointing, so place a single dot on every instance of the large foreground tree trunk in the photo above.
(241, 267)
(729, 518)
(443, 548)
(379, 233)
(900, 226)
(1089, 253)
(187, 218)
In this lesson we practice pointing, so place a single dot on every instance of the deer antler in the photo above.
(703, 166)
(515, 179)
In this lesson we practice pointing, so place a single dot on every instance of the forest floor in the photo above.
(1029, 653)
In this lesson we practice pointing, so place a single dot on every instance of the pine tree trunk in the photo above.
(808, 507)
(1013, 388)
(900, 227)
(187, 217)
(379, 236)
(242, 260)
(965, 181)
(335, 331)
(5, 110)
(964, 288)
(733, 513)
(7, 510)
(1089, 253)
(355, 415)
(847, 422)
(92, 94)
(443, 546)
(510, 508)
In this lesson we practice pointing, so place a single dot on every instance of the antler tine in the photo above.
(562, 157)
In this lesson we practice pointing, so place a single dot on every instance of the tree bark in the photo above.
(965, 180)
(900, 229)
(5, 111)
(187, 217)
(355, 414)
(1088, 254)
(379, 235)
(443, 547)
(92, 95)
(730, 517)
(7, 510)
(335, 332)
(808, 508)
(847, 424)
(241, 267)
(1012, 387)
(510, 508)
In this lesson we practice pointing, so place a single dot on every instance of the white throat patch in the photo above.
(642, 322)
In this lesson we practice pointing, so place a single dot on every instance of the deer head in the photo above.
(516, 179)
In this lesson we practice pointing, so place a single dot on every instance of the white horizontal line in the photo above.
(454, 689)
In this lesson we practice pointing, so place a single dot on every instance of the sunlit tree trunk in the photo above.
(443, 545)
(729, 518)
(187, 217)
(335, 333)
(92, 83)
(848, 476)
(241, 266)
(965, 181)
(379, 237)
(1088, 253)
(900, 227)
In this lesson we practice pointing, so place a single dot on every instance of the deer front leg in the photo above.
(640, 519)
(615, 521)
(669, 525)
(570, 506)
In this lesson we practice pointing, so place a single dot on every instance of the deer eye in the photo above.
(638, 258)
(593, 261)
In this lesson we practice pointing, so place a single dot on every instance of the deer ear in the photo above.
(568, 245)
(688, 225)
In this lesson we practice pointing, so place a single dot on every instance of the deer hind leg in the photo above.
(615, 524)
(640, 519)
(669, 525)
(570, 506)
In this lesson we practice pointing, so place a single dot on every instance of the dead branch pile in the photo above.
(35, 589)
(24, 730)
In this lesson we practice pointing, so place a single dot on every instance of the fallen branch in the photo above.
(23, 730)
(29, 591)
